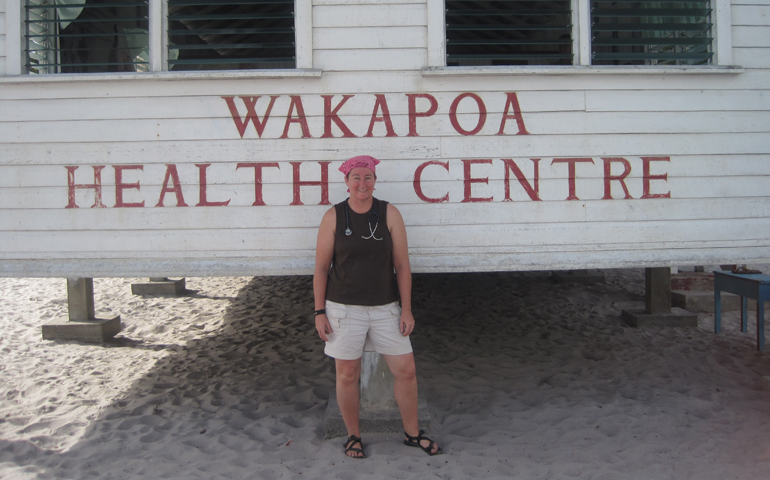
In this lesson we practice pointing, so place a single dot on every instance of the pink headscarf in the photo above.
(365, 161)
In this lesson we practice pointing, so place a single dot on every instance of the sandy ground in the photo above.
(525, 379)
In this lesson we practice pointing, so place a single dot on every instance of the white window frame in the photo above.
(158, 48)
(581, 32)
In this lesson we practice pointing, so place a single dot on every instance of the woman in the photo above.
(361, 242)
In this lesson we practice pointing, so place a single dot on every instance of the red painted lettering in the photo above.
(120, 186)
(608, 177)
(572, 162)
(482, 114)
(258, 202)
(296, 103)
(202, 200)
(510, 166)
(324, 183)
(331, 116)
(173, 175)
(468, 180)
(381, 104)
(251, 113)
(513, 102)
(413, 113)
(96, 186)
(647, 178)
(418, 186)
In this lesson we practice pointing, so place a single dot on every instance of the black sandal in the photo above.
(415, 442)
(349, 447)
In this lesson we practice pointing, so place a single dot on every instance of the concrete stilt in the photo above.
(82, 323)
(159, 286)
(657, 300)
(379, 412)
(694, 291)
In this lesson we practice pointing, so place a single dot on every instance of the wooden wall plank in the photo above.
(395, 3)
(99, 153)
(556, 123)
(362, 60)
(211, 106)
(377, 82)
(391, 170)
(301, 263)
(397, 192)
(659, 101)
(365, 38)
(594, 236)
(369, 15)
(751, 57)
(750, 15)
(755, 36)
(277, 217)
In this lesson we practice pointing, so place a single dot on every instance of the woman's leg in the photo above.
(405, 390)
(348, 392)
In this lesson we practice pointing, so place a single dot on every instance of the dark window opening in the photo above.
(88, 36)
(642, 32)
(503, 32)
(230, 35)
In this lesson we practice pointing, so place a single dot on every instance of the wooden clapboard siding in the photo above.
(641, 123)
(714, 129)
(520, 211)
(400, 169)
(751, 39)
(3, 42)
(751, 57)
(370, 36)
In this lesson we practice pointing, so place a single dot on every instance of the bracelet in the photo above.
(319, 312)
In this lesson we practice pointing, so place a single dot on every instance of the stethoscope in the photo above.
(349, 232)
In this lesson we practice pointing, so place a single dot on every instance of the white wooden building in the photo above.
(174, 138)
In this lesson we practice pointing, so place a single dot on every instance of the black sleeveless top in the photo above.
(362, 268)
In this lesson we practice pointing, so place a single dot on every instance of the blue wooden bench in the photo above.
(746, 285)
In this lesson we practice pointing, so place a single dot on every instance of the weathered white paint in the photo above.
(3, 47)
(12, 64)
(711, 123)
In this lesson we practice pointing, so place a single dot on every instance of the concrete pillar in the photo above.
(80, 299)
(81, 323)
(159, 286)
(376, 383)
(657, 304)
(657, 290)
(379, 412)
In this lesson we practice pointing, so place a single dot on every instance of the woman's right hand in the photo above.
(323, 327)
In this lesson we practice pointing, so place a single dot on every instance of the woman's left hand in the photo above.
(407, 323)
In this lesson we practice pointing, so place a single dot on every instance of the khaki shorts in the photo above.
(357, 328)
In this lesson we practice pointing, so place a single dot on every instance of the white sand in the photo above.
(524, 378)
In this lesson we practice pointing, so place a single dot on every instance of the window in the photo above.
(505, 32)
(90, 36)
(76, 36)
(602, 33)
(230, 35)
(645, 32)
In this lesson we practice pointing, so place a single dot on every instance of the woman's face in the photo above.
(361, 182)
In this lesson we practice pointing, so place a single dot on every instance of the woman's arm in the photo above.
(401, 264)
(324, 252)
